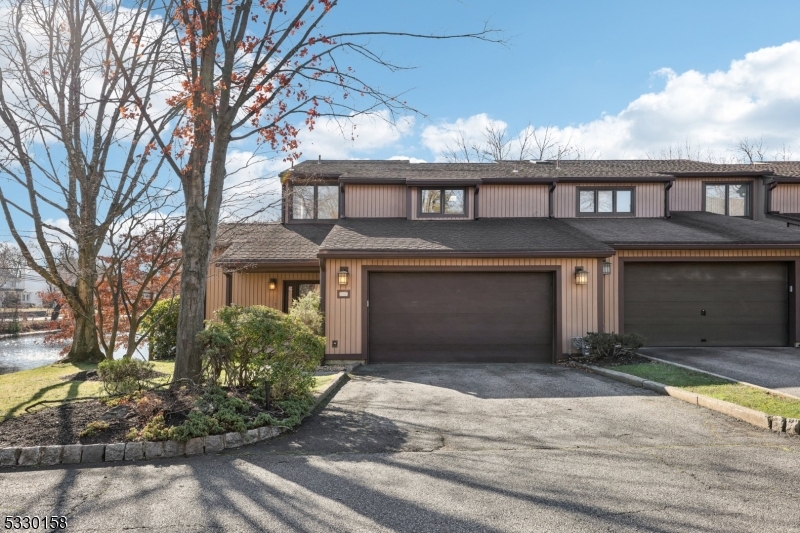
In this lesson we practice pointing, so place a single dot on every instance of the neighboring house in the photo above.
(16, 285)
(510, 261)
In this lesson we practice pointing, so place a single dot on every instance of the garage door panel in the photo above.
(714, 335)
(769, 291)
(462, 316)
(746, 304)
(753, 313)
(470, 327)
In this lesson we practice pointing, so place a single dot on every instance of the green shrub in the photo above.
(306, 310)
(197, 424)
(124, 376)
(246, 346)
(609, 344)
(93, 428)
(161, 328)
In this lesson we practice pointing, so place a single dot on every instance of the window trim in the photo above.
(751, 197)
(442, 214)
(316, 185)
(614, 213)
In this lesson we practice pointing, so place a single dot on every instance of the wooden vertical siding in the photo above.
(344, 315)
(505, 201)
(250, 288)
(611, 295)
(687, 193)
(470, 205)
(375, 201)
(649, 198)
(786, 198)
(215, 290)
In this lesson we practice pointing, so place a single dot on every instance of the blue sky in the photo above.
(621, 79)
(568, 63)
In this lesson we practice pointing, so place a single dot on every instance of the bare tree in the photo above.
(752, 149)
(12, 264)
(248, 70)
(73, 145)
(784, 153)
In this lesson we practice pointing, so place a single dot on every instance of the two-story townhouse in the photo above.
(508, 261)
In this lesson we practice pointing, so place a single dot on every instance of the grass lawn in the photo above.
(714, 387)
(21, 389)
(322, 382)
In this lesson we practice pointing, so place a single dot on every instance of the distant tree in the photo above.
(72, 144)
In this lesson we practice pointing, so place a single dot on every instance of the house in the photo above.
(509, 261)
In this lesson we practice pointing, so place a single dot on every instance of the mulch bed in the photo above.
(63, 424)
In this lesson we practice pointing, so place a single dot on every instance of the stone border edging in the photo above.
(751, 416)
(135, 451)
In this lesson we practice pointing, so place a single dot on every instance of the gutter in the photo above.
(768, 197)
(722, 173)
(444, 254)
(706, 246)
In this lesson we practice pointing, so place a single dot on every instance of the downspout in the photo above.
(667, 187)
(475, 206)
(283, 202)
(550, 194)
(768, 197)
(322, 295)
(341, 201)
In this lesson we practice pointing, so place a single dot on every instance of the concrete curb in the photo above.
(687, 367)
(138, 451)
(745, 414)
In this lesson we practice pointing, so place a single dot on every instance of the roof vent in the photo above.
(320, 159)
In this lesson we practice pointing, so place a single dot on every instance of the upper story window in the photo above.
(605, 201)
(441, 201)
(730, 199)
(315, 202)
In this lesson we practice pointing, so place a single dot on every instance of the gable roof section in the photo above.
(507, 237)
(254, 244)
(686, 230)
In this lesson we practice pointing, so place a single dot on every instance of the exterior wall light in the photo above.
(581, 276)
(606, 268)
(344, 273)
(273, 284)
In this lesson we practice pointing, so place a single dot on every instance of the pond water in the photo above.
(30, 351)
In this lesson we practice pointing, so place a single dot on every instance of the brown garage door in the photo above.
(708, 304)
(465, 317)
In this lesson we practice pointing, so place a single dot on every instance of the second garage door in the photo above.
(708, 303)
(460, 317)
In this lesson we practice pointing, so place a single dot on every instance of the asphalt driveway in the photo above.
(774, 368)
(492, 448)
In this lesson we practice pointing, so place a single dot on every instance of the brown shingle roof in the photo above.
(685, 228)
(569, 169)
(253, 243)
(499, 235)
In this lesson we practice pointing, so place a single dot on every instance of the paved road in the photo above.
(774, 368)
(492, 448)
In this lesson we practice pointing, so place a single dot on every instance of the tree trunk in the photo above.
(191, 317)
(85, 348)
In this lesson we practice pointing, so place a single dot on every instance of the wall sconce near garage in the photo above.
(273, 284)
(581, 276)
(344, 274)
(606, 268)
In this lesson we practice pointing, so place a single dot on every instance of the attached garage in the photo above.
(461, 317)
(707, 303)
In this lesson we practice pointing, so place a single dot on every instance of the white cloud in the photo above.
(343, 138)
(757, 96)
(441, 137)
(411, 160)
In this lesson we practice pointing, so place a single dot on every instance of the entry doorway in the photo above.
(292, 290)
